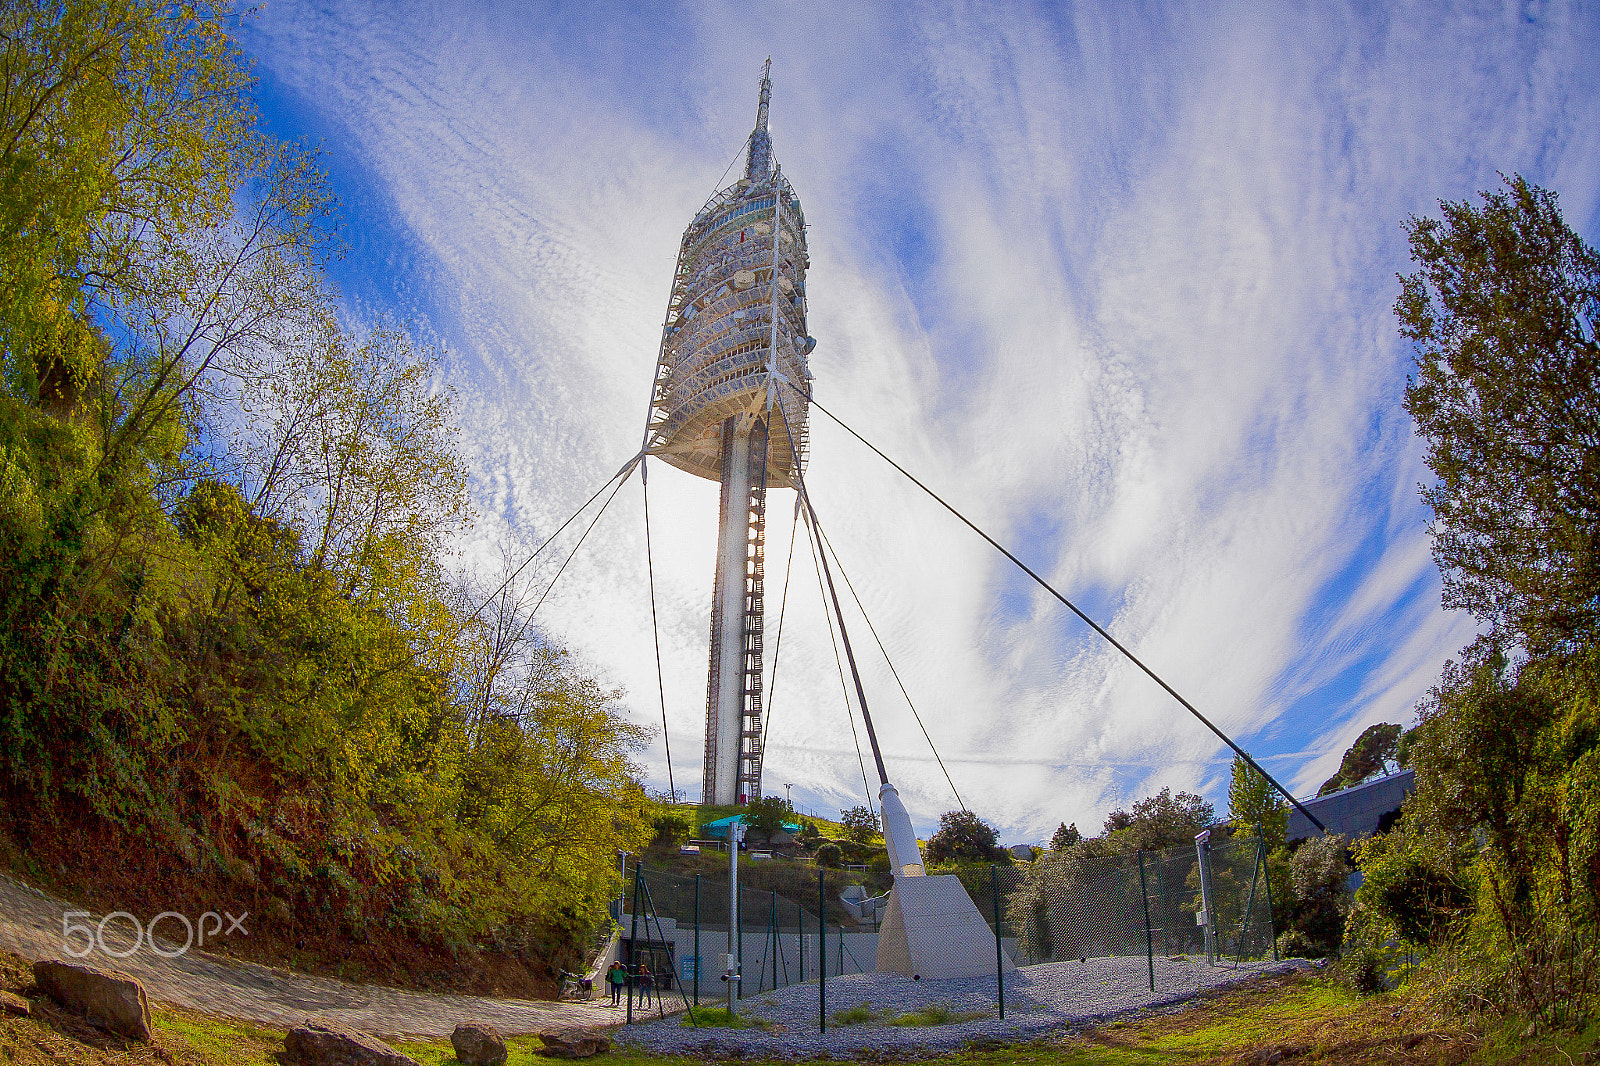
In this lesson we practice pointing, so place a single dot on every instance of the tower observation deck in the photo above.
(735, 329)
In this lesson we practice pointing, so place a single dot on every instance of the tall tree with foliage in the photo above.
(860, 824)
(1252, 802)
(1161, 821)
(962, 836)
(1502, 311)
(769, 814)
(1065, 836)
(1373, 751)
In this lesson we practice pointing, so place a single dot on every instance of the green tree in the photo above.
(671, 829)
(1371, 754)
(962, 837)
(1160, 821)
(1483, 765)
(860, 824)
(1252, 801)
(1065, 836)
(122, 126)
(1417, 885)
(1502, 312)
(769, 814)
(353, 443)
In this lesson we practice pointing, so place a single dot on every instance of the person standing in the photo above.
(617, 978)
(647, 984)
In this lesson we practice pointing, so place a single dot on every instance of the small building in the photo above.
(1358, 811)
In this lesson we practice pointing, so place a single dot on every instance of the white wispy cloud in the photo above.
(1114, 280)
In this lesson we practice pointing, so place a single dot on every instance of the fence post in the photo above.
(1149, 939)
(822, 930)
(800, 919)
(697, 963)
(999, 964)
(1202, 847)
(1250, 901)
(1266, 882)
(774, 948)
(735, 924)
(633, 936)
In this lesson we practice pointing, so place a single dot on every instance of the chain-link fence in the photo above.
(1209, 901)
(678, 928)
(1172, 914)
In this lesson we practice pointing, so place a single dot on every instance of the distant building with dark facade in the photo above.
(1356, 812)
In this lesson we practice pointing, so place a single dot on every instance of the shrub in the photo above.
(1413, 890)
(671, 829)
(1363, 969)
(963, 837)
(830, 856)
(1319, 875)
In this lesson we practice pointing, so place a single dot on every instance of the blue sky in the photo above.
(1115, 279)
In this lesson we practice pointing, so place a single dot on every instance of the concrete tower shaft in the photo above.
(735, 330)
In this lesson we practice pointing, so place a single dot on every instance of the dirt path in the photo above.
(31, 926)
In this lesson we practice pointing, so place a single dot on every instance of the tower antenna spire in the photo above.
(758, 165)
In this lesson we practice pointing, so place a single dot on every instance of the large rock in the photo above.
(327, 1044)
(478, 1044)
(105, 998)
(573, 1044)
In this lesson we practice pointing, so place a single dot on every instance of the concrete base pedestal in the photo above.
(932, 929)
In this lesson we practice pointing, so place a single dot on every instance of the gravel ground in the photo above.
(1039, 1000)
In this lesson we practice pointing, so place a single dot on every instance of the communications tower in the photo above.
(735, 333)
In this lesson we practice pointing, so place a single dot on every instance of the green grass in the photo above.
(721, 1018)
(212, 1038)
(937, 1014)
(860, 1014)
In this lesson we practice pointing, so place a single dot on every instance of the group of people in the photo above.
(643, 979)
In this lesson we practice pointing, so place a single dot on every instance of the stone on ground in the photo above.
(328, 1044)
(106, 999)
(478, 1044)
(573, 1044)
(11, 1003)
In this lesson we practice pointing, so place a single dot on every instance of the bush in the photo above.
(1293, 944)
(1319, 876)
(1363, 969)
(671, 829)
(1411, 884)
(964, 837)
(830, 856)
